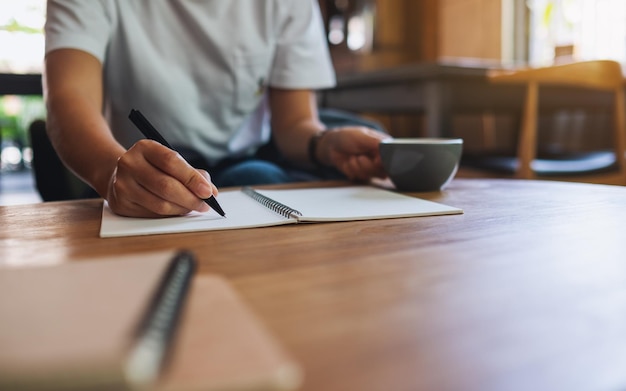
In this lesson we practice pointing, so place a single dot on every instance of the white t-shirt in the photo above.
(196, 68)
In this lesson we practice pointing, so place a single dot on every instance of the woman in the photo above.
(218, 78)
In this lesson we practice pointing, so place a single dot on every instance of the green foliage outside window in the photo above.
(16, 114)
(22, 43)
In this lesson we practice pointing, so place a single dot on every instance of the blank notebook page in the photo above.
(315, 204)
(354, 203)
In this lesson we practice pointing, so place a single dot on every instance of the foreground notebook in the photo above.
(74, 327)
(90, 324)
(263, 208)
(223, 346)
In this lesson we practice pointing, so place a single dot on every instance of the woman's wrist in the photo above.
(314, 149)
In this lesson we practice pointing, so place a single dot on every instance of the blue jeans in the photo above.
(265, 167)
(256, 172)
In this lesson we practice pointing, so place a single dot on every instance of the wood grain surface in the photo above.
(524, 291)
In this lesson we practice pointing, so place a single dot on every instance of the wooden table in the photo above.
(525, 291)
(439, 90)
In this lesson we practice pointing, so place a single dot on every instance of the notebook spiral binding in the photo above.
(155, 332)
(269, 203)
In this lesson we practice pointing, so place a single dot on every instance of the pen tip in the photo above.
(213, 204)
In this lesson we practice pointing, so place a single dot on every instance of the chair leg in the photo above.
(620, 133)
(526, 150)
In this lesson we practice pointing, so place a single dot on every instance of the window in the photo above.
(21, 35)
(21, 51)
(577, 30)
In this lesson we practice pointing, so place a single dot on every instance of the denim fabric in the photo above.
(251, 172)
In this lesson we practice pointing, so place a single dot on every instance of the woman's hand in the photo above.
(151, 180)
(353, 150)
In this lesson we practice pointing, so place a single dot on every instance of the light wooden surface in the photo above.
(525, 291)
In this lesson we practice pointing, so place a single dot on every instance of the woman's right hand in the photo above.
(151, 180)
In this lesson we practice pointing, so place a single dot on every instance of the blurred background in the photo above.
(363, 35)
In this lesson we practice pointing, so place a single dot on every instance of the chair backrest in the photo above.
(53, 180)
(602, 75)
(599, 74)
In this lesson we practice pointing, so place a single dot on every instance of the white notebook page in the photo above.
(317, 204)
(355, 203)
(241, 212)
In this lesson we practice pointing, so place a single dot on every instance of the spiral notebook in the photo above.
(251, 208)
(97, 324)
(92, 324)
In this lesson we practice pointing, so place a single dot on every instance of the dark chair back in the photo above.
(53, 180)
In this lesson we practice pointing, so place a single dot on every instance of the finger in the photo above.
(158, 170)
(153, 203)
(378, 169)
(352, 168)
(358, 140)
(363, 168)
(122, 201)
(378, 134)
(173, 164)
(129, 197)
(200, 183)
(149, 206)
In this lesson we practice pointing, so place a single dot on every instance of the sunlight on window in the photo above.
(603, 30)
(577, 30)
(21, 35)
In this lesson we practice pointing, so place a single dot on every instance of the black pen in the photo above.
(151, 133)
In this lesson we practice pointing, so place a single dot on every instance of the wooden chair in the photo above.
(595, 167)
